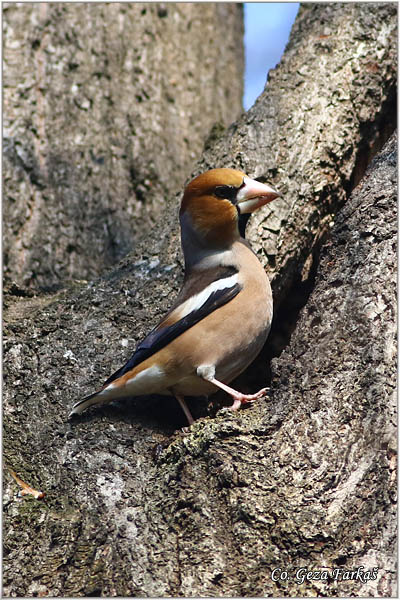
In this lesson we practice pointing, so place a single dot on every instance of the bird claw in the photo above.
(261, 393)
(240, 399)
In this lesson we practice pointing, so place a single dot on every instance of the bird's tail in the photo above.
(95, 398)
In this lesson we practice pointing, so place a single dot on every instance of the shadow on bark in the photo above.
(305, 479)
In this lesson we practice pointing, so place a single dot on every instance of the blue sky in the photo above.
(267, 29)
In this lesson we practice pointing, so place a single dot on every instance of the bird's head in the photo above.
(212, 204)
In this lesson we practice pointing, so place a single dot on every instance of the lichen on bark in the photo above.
(307, 478)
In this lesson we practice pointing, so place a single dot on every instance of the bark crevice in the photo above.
(303, 479)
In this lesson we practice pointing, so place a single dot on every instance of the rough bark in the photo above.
(106, 109)
(306, 478)
(334, 396)
(325, 111)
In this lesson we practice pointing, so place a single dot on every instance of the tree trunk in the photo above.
(244, 500)
(106, 108)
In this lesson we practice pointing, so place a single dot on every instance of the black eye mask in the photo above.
(227, 192)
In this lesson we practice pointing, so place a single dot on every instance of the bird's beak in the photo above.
(253, 194)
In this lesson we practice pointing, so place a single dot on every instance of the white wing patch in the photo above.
(195, 302)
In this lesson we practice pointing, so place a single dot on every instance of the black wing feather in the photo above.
(158, 338)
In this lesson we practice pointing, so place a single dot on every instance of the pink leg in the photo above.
(185, 408)
(238, 397)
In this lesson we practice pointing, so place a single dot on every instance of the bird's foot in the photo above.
(239, 399)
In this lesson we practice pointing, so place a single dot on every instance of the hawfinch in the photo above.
(222, 315)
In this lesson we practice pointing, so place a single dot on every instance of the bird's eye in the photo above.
(227, 192)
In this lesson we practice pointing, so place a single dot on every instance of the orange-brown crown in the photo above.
(214, 217)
